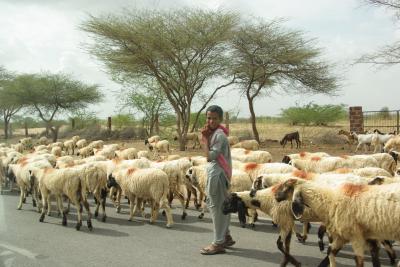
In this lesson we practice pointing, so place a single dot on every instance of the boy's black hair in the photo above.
(216, 109)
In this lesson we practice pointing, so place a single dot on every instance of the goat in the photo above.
(290, 137)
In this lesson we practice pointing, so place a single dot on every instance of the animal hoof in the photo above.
(118, 209)
(24, 200)
(243, 225)
(96, 213)
(163, 213)
(321, 245)
(184, 216)
(198, 206)
(41, 219)
(104, 219)
(252, 225)
(78, 226)
(89, 225)
(169, 225)
(34, 204)
(201, 216)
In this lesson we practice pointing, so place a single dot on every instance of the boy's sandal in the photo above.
(212, 250)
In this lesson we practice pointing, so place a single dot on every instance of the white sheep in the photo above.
(107, 152)
(175, 169)
(85, 152)
(143, 184)
(60, 182)
(18, 147)
(392, 144)
(129, 153)
(96, 144)
(40, 148)
(198, 160)
(152, 139)
(280, 212)
(69, 146)
(26, 143)
(20, 173)
(247, 144)
(348, 212)
(60, 144)
(256, 156)
(2, 176)
(160, 146)
(43, 140)
(365, 172)
(56, 151)
(233, 140)
(81, 143)
(144, 154)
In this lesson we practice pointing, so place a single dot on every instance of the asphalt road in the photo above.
(24, 241)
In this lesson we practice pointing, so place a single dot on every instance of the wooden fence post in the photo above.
(109, 124)
(73, 123)
(26, 129)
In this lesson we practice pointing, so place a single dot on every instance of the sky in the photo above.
(44, 35)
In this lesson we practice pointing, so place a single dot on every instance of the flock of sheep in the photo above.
(354, 198)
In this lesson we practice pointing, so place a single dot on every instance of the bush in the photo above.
(313, 114)
(122, 120)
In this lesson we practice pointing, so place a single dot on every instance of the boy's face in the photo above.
(213, 120)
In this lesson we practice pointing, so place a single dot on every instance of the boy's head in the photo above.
(214, 115)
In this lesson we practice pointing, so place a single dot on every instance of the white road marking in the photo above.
(21, 251)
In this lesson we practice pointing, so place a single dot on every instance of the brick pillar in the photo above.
(356, 119)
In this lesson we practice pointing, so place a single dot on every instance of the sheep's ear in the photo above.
(298, 205)
(377, 181)
(395, 155)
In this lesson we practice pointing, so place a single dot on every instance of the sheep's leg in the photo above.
(252, 217)
(103, 203)
(189, 195)
(44, 203)
(389, 250)
(61, 210)
(89, 220)
(164, 205)
(21, 198)
(170, 197)
(285, 249)
(321, 233)
(181, 199)
(333, 249)
(132, 207)
(357, 147)
(48, 205)
(202, 205)
(303, 237)
(118, 200)
(78, 206)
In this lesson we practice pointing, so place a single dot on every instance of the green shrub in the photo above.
(313, 114)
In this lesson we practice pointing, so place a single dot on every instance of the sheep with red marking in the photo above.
(304, 155)
(255, 169)
(346, 213)
(256, 156)
(149, 184)
(247, 144)
(280, 212)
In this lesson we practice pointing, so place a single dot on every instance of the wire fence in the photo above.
(385, 121)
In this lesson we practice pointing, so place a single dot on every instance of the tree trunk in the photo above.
(5, 129)
(157, 124)
(253, 120)
(54, 131)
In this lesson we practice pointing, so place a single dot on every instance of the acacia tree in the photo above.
(49, 95)
(183, 50)
(149, 100)
(269, 58)
(387, 55)
(9, 103)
